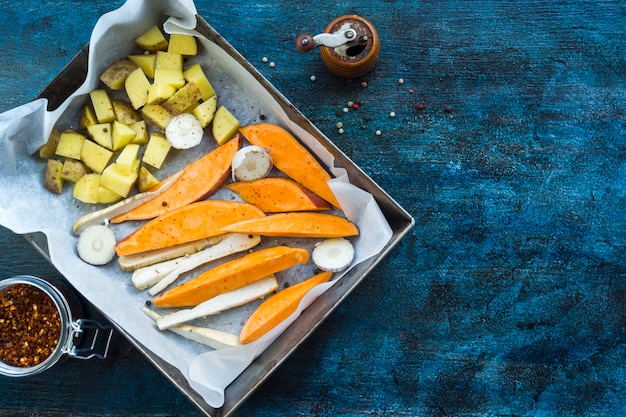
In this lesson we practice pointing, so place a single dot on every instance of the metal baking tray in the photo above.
(73, 75)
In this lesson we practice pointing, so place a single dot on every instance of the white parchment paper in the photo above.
(27, 207)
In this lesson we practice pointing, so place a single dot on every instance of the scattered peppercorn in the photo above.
(364, 84)
(355, 106)
(313, 78)
(421, 106)
(448, 109)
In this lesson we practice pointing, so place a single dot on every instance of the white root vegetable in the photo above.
(234, 243)
(216, 339)
(96, 245)
(222, 302)
(333, 255)
(251, 163)
(143, 259)
(121, 207)
(184, 131)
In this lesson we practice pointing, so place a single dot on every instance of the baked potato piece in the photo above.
(53, 180)
(125, 112)
(114, 77)
(73, 170)
(49, 148)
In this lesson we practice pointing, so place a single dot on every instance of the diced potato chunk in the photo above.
(53, 181)
(106, 196)
(152, 40)
(96, 157)
(158, 93)
(141, 132)
(185, 97)
(183, 44)
(122, 135)
(145, 62)
(146, 180)
(156, 114)
(126, 159)
(196, 74)
(224, 125)
(205, 111)
(168, 60)
(125, 112)
(102, 106)
(172, 77)
(87, 118)
(116, 181)
(115, 76)
(137, 86)
(157, 150)
(101, 134)
(49, 148)
(70, 143)
(86, 188)
(73, 170)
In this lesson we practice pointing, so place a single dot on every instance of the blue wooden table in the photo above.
(508, 146)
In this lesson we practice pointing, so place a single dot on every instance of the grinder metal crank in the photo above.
(349, 46)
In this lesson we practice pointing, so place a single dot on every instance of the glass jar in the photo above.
(66, 322)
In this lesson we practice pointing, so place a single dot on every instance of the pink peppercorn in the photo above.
(355, 106)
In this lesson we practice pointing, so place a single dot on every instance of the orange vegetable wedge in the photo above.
(299, 224)
(278, 307)
(232, 275)
(291, 157)
(277, 195)
(199, 180)
(192, 222)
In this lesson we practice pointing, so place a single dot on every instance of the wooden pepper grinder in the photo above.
(349, 46)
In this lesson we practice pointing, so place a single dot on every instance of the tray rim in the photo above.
(401, 222)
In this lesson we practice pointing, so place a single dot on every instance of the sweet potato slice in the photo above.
(291, 157)
(232, 275)
(192, 222)
(199, 180)
(278, 195)
(299, 224)
(278, 307)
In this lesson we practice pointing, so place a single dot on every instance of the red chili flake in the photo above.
(30, 325)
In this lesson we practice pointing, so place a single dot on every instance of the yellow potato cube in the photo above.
(102, 106)
(115, 76)
(49, 148)
(86, 188)
(196, 75)
(113, 179)
(184, 98)
(137, 86)
(122, 135)
(125, 112)
(205, 111)
(156, 114)
(53, 181)
(224, 125)
(141, 132)
(101, 134)
(183, 44)
(70, 143)
(156, 151)
(145, 62)
(173, 77)
(158, 93)
(168, 60)
(87, 118)
(96, 157)
(146, 180)
(126, 159)
(73, 170)
(106, 196)
(152, 40)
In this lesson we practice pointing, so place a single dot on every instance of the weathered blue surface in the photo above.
(507, 298)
